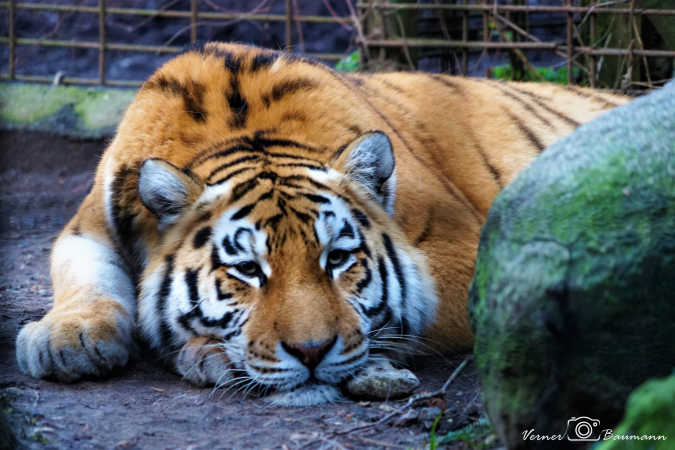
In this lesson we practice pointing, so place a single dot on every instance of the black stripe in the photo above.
(191, 281)
(267, 195)
(238, 104)
(288, 155)
(288, 87)
(223, 322)
(361, 217)
(201, 237)
(223, 153)
(365, 281)
(304, 218)
(164, 291)
(384, 299)
(262, 61)
(230, 175)
(230, 164)
(273, 221)
(398, 270)
(308, 166)
(540, 101)
(444, 80)
(242, 189)
(364, 246)
(317, 198)
(525, 105)
(529, 134)
(229, 248)
(193, 94)
(215, 259)
(237, 235)
(243, 212)
(347, 230)
(576, 90)
(261, 142)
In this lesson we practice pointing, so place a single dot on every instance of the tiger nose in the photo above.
(310, 353)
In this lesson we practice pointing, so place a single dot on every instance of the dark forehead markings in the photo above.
(238, 104)
(192, 93)
(285, 88)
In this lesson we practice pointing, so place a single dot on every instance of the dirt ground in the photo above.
(42, 180)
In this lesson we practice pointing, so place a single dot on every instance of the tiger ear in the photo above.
(166, 190)
(369, 161)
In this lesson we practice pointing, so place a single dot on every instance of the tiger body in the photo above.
(259, 212)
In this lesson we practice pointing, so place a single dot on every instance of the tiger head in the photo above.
(295, 265)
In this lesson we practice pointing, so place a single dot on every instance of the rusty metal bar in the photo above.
(520, 8)
(592, 72)
(12, 38)
(570, 43)
(101, 41)
(418, 43)
(289, 25)
(194, 17)
(71, 80)
(131, 48)
(465, 37)
(206, 15)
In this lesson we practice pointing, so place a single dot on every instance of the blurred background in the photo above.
(626, 45)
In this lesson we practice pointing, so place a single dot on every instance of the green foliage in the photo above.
(349, 63)
(559, 75)
(476, 435)
(432, 434)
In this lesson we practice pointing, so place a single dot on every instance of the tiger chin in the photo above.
(263, 222)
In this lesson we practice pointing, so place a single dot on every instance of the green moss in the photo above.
(75, 111)
(650, 411)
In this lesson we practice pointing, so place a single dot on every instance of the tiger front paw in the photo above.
(71, 345)
(202, 361)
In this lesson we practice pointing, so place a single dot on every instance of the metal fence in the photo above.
(378, 27)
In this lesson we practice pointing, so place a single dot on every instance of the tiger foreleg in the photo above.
(88, 332)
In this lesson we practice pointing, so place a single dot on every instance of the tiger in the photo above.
(261, 218)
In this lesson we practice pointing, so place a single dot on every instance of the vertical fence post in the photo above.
(570, 50)
(101, 41)
(289, 25)
(592, 58)
(12, 38)
(194, 16)
(465, 37)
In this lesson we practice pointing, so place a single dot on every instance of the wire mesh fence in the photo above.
(624, 44)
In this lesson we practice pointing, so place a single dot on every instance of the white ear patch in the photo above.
(371, 164)
(162, 190)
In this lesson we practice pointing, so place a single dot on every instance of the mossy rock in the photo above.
(65, 110)
(649, 422)
(573, 298)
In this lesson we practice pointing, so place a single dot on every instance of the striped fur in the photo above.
(259, 215)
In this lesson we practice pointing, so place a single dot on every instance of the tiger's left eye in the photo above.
(337, 257)
(248, 268)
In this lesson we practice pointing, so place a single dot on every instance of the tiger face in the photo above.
(294, 267)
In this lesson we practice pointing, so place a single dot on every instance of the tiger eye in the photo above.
(337, 257)
(248, 268)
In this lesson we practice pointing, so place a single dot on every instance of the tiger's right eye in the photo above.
(337, 257)
(248, 268)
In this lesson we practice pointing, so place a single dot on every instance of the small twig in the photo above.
(412, 400)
